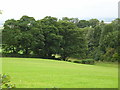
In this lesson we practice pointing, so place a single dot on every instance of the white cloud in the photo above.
(58, 8)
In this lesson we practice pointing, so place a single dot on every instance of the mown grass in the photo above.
(44, 73)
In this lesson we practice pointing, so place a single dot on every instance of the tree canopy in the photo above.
(66, 37)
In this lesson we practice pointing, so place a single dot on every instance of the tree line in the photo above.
(66, 37)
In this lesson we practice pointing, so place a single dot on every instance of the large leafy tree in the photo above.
(73, 41)
(93, 22)
(73, 20)
(109, 41)
(83, 24)
(68, 37)
(38, 40)
(88, 34)
(32, 39)
(9, 36)
(26, 38)
(23, 35)
(104, 41)
(52, 37)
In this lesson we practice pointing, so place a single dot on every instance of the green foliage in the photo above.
(115, 57)
(51, 35)
(93, 22)
(77, 61)
(83, 24)
(68, 37)
(98, 55)
(73, 40)
(100, 38)
(109, 41)
(88, 61)
(18, 36)
(73, 20)
(5, 81)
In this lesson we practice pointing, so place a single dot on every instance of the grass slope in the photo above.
(43, 73)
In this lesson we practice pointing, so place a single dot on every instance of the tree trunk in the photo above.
(26, 51)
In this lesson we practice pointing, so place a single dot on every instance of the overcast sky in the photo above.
(59, 8)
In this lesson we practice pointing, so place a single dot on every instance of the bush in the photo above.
(77, 61)
(69, 60)
(88, 61)
(5, 81)
(57, 59)
(115, 57)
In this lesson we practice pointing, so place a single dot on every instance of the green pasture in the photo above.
(44, 73)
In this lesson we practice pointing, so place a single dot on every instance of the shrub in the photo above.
(77, 61)
(115, 57)
(69, 60)
(57, 59)
(88, 61)
(5, 81)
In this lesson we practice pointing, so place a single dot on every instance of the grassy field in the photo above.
(43, 73)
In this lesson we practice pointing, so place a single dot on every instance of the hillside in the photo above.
(44, 73)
